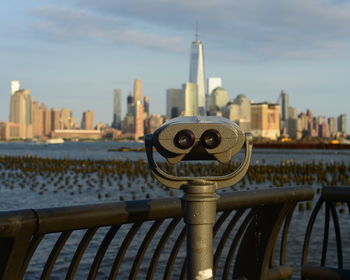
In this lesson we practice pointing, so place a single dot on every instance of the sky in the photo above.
(73, 53)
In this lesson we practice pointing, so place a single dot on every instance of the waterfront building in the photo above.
(10, 131)
(15, 86)
(87, 121)
(265, 120)
(21, 112)
(173, 102)
(219, 99)
(117, 116)
(47, 121)
(293, 124)
(38, 120)
(239, 111)
(342, 124)
(323, 129)
(66, 119)
(55, 119)
(212, 83)
(197, 74)
(332, 124)
(189, 100)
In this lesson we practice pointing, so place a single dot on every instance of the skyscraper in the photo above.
(174, 104)
(137, 91)
(342, 124)
(284, 106)
(146, 105)
(21, 112)
(197, 73)
(117, 115)
(87, 121)
(212, 83)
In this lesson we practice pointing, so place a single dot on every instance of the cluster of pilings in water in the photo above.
(130, 180)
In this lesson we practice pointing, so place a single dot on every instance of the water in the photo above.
(20, 190)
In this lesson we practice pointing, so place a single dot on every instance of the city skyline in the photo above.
(251, 55)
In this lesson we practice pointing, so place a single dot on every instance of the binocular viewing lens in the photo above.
(184, 139)
(211, 139)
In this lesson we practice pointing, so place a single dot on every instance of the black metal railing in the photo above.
(331, 246)
(145, 239)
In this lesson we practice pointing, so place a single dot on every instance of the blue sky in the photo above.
(74, 53)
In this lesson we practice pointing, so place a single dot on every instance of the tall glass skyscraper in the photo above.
(197, 73)
(117, 116)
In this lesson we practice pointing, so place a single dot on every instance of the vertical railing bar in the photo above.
(34, 243)
(221, 221)
(325, 235)
(236, 240)
(169, 230)
(122, 250)
(174, 253)
(85, 241)
(144, 246)
(102, 251)
(226, 236)
(309, 230)
(54, 254)
(338, 235)
(285, 234)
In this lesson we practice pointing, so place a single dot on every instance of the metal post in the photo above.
(199, 207)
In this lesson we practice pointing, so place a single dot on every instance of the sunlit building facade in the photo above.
(197, 75)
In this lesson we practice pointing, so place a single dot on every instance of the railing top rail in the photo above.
(95, 215)
(339, 194)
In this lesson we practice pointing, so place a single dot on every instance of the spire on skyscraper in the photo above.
(197, 72)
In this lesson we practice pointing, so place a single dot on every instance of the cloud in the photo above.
(67, 24)
(268, 29)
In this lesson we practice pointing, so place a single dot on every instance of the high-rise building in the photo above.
(146, 105)
(87, 121)
(219, 99)
(133, 124)
(332, 124)
(66, 119)
(117, 116)
(153, 122)
(265, 120)
(55, 119)
(197, 74)
(239, 111)
(14, 86)
(342, 124)
(212, 83)
(189, 99)
(21, 112)
(38, 120)
(284, 106)
(173, 102)
(137, 91)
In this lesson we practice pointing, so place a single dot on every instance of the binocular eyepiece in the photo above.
(198, 138)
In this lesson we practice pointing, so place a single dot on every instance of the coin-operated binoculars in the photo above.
(199, 138)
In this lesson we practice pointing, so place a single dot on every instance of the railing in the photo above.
(145, 239)
(330, 196)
